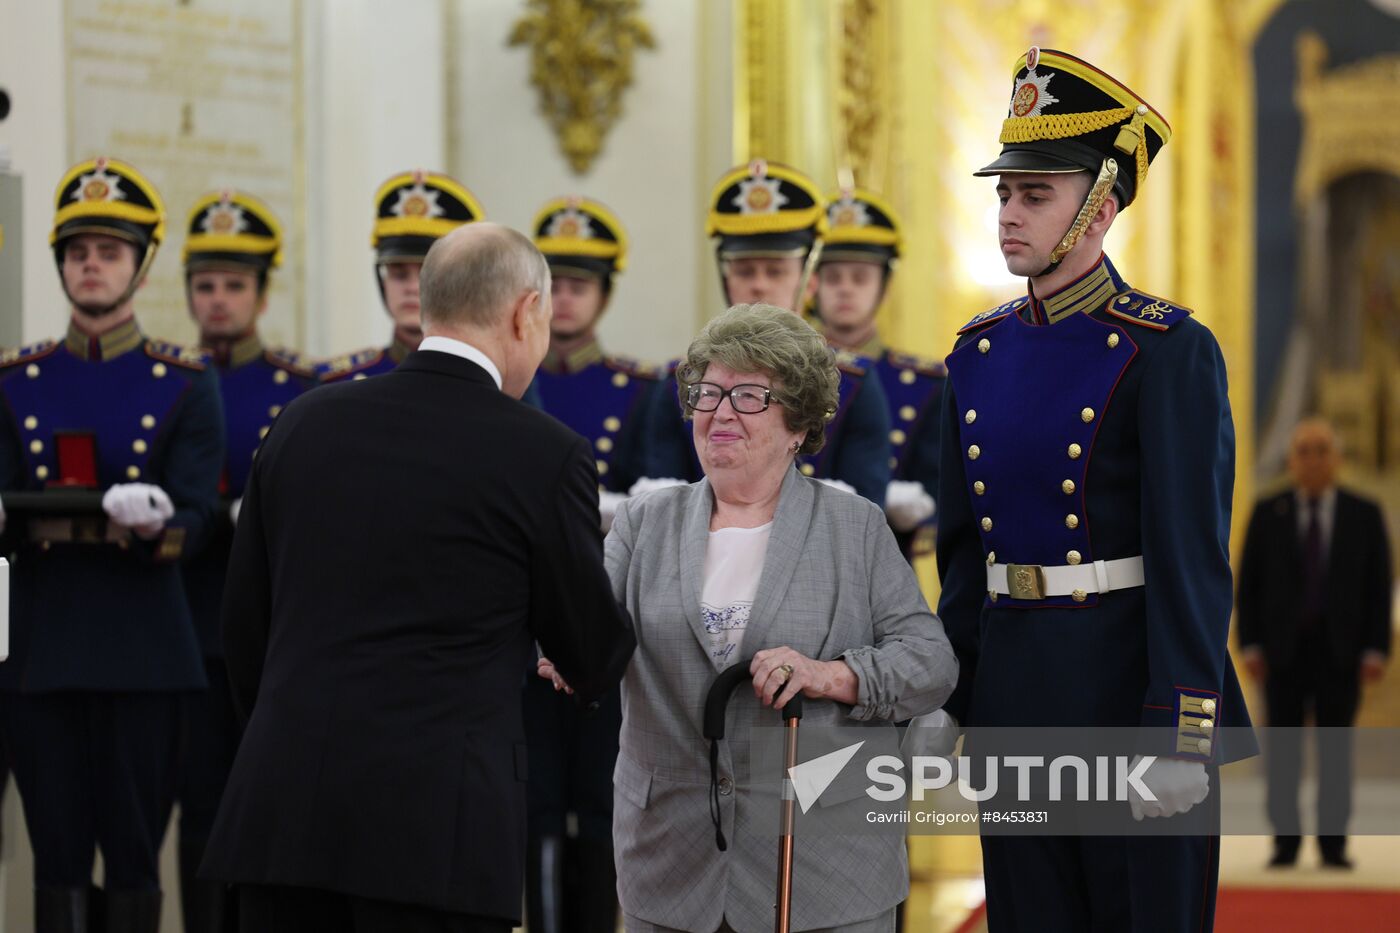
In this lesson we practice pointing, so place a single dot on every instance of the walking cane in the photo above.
(716, 701)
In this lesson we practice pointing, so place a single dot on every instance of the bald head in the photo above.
(474, 275)
(1314, 456)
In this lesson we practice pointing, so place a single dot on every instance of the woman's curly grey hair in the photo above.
(760, 338)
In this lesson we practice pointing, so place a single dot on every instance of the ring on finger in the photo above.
(786, 671)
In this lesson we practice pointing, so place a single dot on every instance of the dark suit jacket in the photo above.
(1357, 583)
(403, 541)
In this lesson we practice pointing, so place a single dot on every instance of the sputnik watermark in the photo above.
(1101, 778)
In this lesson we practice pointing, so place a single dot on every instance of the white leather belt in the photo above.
(1034, 581)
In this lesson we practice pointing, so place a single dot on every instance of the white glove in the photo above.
(838, 484)
(140, 506)
(1177, 784)
(934, 733)
(607, 506)
(907, 504)
(234, 508)
(647, 484)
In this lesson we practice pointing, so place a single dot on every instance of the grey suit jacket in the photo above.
(834, 585)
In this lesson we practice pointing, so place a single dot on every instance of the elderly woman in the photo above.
(756, 560)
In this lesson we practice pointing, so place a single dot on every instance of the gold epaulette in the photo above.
(1138, 307)
(9, 356)
(291, 361)
(995, 314)
(635, 367)
(852, 363)
(923, 365)
(350, 362)
(189, 357)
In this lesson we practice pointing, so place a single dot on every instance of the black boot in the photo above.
(133, 911)
(544, 885)
(61, 910)
(206, 906)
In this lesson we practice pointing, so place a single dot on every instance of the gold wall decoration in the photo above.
(581, 55)
(1348, 117)
(862, 50)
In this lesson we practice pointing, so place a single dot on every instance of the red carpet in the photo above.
(1253, 910)
(1275, 910)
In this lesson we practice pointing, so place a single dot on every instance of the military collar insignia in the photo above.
(1087, 293)
(244, 351)
(121, 339)
(579, 359)
(398, 351)
(873, 349)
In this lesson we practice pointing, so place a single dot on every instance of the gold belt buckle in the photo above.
(1025, 581)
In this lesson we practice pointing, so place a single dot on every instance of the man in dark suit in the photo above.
(1314, 615)
(402, 543)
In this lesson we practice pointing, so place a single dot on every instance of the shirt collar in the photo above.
(1324, 498)
(466, 351)
(120, 339)
(1090, 292)
(582, 358)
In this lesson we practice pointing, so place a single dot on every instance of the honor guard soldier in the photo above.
(411, 210)
(1083, 539)
(232, 244)
(597, 394)
(859, 253)
(104, 650)
(570, 882)
(768, 221)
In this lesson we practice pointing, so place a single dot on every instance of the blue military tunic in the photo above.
(1091, 426)
(857, 436)
(363, 363)
(601, 397)
(103, 610)
(255, 383)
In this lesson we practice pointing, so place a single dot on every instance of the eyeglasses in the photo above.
(745, 399)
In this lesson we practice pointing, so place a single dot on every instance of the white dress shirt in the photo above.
(1326, 516)
(465, 350)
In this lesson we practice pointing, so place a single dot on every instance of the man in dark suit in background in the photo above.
(403, 541)
(1314, 617)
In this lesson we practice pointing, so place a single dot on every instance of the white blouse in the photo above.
(733, 565)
